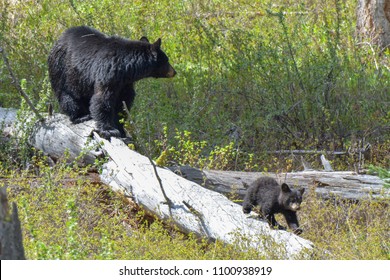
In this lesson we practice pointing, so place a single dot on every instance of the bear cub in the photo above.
(93, 75)
(273, 198)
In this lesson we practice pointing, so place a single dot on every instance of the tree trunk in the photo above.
(11, 241)
(373, 22)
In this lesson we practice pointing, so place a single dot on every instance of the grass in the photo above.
(73, 217)
(344, 230)
(67, 214)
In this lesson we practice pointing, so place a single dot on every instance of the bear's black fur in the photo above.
(273, 198)
(93, 74)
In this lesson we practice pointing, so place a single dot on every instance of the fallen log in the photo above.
(190, 206)
(343, 184)
(56, 136)
(170, 197)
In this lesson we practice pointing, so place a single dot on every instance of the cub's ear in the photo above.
(144, 39)
(302, 191)
(285, 188)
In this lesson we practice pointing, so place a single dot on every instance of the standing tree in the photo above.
(11, 240)
(373, 22)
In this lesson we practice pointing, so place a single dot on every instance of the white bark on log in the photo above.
(191, 207)
(7, 117)
(58, 135)
(55, 136)
(169, 196)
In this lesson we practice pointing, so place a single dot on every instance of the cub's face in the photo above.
(291, 198)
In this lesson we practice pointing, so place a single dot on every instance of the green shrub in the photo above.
(346, 230)
(286, 74)
(382, 173)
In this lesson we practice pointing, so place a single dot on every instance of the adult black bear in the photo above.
(272, 198)
(93, 74)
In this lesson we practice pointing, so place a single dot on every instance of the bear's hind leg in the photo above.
(82, 119)
(247, 207)
(248, 203)
(102, 108)
(76, 111)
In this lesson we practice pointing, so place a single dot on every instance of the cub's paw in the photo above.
(298, 231)
(279, 227)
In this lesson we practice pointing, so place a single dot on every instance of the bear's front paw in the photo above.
(82, 119)
(107, 134)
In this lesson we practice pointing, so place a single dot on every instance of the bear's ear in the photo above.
(144, 39)
(157, 44)
(285, 188)
(156, 47)
(302, 191)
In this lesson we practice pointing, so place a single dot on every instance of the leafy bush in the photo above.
(382, 173)
(186, 151)
(288, 75)
(346, 230)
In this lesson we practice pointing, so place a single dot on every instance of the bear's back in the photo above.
(80, 36)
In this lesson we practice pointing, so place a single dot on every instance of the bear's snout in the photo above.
(171, 72)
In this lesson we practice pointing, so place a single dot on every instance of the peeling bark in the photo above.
(373, 22)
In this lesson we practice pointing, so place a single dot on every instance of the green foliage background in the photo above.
(285, 74)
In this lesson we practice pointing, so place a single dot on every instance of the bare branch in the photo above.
(18, 87)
